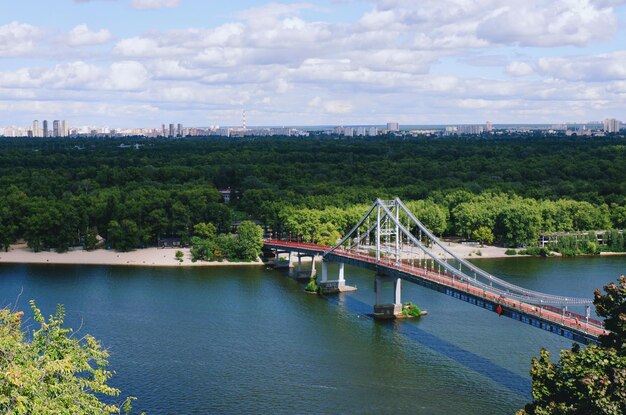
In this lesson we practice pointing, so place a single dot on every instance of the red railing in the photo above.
(553, 314)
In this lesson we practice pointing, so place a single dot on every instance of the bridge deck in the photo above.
(585, 330)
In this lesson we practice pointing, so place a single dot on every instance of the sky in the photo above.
(141, 63)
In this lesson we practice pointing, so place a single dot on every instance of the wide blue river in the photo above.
(248, 339)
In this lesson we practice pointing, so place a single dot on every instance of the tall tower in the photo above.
(36, 131)
(56, 124)
(179, 130)
(45, 128)
(243, 121)
(63, 129)
(171, 130)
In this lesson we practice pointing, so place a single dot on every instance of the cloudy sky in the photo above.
(201, 62)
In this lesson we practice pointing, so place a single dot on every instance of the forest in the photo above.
(61, 193)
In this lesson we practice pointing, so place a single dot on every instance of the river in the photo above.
(248, 340)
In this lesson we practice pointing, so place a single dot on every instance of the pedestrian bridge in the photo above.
(393, 243)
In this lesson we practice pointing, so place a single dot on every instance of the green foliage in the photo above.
(510, 252)
(245, 246)
(179, 255)
(411, 310)
(312, 286)
(53, 194)
(612, 306)
(484, 235)
(570, 245)
(91, 239)
(123, 236)
(587, 381)
(536, 251)
(52, 372)
(249, 241)
(590, 380)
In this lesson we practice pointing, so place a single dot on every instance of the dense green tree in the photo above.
(612, 306)
(124, 235)
(483, 235)
(249, 241)
(50, 371)
(591, 380)
(521, 223)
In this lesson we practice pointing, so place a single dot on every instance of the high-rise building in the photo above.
(489, 127)
(171, 130)
(393, 126)
(63, 129)
(36, 131)
(179, 130)
(56, 125)
(45, 128)
(163, 132)
(471, 129)
(611, 125)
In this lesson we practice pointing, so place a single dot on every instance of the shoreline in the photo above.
(164, 257)
(146, 257)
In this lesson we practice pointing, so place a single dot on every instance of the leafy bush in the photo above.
(312, 286)
(510, 252)
(411, 310)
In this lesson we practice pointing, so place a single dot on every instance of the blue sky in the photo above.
(141, 63)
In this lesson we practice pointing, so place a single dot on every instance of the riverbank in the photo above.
(153, 257)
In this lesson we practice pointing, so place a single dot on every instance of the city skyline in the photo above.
(142, 62)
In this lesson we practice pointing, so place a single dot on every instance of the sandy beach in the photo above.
(156, 257)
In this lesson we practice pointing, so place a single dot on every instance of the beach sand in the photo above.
(156, 257)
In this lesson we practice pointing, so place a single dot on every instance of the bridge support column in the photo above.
(341, 278)
(398, 293)
(387, 311)
(335, 286)
(313, 270)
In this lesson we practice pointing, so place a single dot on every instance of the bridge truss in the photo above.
(390, 233)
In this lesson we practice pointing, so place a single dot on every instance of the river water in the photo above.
(248, 340)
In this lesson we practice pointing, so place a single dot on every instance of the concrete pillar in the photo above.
(324, 271)
(341, 278)
(398, 291)
(378, 287)
(299, 263)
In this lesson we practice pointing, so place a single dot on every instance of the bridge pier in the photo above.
(334, 286)
(386, 310)
(305, 274)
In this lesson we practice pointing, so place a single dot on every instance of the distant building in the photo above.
(179, 130)
(489, 127)
(36, 130)
(472, 129)
(611, 125)
(63, 129)
(348, 132)
(225, 195)
(56, 128)
(45, 128)
(393, 126)
(163, 132)
(171, 130)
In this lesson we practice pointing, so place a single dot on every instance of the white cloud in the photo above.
(81, 35)
(597, 68)
(547, 23)
(155, 4)
(517, 68)
(127, 75)
(18, 39)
